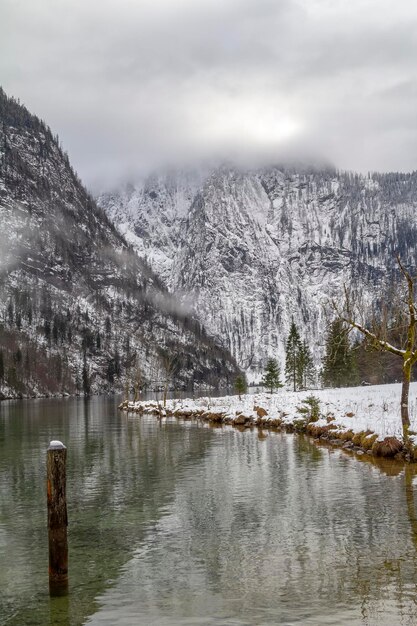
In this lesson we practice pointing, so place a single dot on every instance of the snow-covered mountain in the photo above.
(79, 309)
(252, 249)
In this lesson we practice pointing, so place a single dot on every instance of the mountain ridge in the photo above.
(256, 248)
(72, 290)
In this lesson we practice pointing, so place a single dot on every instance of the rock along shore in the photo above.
(364, 420)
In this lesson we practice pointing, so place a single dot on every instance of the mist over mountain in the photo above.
(79, 310)
(93, 296)
(252, 249)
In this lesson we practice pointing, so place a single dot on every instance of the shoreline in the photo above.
(361, 420)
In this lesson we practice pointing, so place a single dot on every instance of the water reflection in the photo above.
(178, 523)
(120, 476)
(410, 472)
(296, 534)
(59, 611)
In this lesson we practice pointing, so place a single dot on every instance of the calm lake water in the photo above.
(182, 524)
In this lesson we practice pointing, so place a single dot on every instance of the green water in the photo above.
(177, 523)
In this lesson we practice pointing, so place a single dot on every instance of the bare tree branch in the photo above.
(347, 313)
(380, 342)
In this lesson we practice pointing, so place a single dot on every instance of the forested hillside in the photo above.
(79, 311)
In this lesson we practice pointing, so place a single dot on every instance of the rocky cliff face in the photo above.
(253, 249)
(79, 309)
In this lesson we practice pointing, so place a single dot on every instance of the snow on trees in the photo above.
(271, 378)
(299, 365)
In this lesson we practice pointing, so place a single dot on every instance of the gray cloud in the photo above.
(131, 85)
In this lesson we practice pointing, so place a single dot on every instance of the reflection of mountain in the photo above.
(173, 522)
(78, 307)
(252, 249)
(273, 532)
(122, 475)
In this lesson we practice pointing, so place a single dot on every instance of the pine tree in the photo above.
(241, 385)
(27, 365)
(1, 366)
(293, 361)
(110, 371)
(271, 379)
(12, 379)
(85, 377)
(307, 366)
(117, 365)
(10, 313)
(339, 363)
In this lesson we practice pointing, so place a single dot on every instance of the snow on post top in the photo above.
(56, 445)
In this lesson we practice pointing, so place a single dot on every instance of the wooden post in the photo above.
(57, 518)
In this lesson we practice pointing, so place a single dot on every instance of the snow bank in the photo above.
(373, 409)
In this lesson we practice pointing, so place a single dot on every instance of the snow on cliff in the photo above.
(253, 249)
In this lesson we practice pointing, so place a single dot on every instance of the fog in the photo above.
(135, 86)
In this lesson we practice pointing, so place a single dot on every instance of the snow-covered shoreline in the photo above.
(361, 418)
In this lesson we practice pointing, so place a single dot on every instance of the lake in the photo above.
(176, 523)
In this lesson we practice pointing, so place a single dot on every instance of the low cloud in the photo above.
(132, 86)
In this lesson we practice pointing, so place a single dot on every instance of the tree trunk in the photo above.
(294, 371)
(405, 418)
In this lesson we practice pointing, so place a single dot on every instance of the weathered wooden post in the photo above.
(57, 518)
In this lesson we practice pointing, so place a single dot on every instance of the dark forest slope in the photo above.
(78, 309)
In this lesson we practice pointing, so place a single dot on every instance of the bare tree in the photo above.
(130, 360)
(137, 381)
(170, 366)
(378, 338)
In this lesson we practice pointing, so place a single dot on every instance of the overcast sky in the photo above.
(135, 84)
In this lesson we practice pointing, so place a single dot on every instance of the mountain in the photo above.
(254, 249)
(79, 309)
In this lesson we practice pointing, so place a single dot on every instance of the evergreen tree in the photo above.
(339, 363)
(110, 371)
(12, 379)
(293, 360)
(307, 368)
(55, 330)
(271, 378)
(27, 365)
(241, 385)
(47, 330)
(1, 366)
(85, 377)
(17, 357)
(10, 313)
(117, 365)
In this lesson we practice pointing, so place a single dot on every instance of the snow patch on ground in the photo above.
(375, 408)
